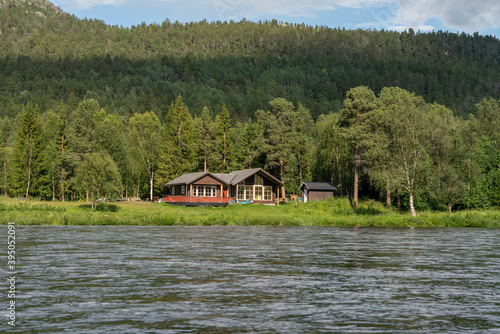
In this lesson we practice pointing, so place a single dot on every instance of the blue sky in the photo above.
(468, 16)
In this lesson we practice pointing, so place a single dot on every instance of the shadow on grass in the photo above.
(368, 211)
(101, 207)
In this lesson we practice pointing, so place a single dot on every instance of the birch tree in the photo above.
(408, 125)
(145, 137)
(98, 174)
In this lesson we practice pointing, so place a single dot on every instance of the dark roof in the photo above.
(320, 186)
(241, 175)
(192, 177)
(231, 178)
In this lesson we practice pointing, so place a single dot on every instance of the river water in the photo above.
(78, 279)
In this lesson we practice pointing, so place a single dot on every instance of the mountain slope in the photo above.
(48, 55)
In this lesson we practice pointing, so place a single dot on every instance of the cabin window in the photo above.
(241, 192)
(258, 194)
(173, 190)
(204, 191)
(183, 190)
(268, 193)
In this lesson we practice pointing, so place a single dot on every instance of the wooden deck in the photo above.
(197, 201)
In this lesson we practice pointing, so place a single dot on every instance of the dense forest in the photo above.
(140, 106)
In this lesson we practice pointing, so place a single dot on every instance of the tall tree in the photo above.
(445, 182)
(333, 151)
(178, 154)
(275, 142)
(5, 152)
(53, 155)
(206, 143)
(83, 124)
(145, 137)
(223, 139)
(98, 174)
(302, 144)
(409, 125)
(27, 157)
(110, 135)
(248, 149)
(359, 102)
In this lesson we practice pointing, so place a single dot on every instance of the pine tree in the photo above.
(276, 141)
(358, 103)
(249, 150)
(208, 154)
(223, 139)
(178, 155)
(27, 157)
(5, 152)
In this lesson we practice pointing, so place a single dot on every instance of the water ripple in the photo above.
(257, 280)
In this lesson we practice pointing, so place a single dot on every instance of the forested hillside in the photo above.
(88, 110)
(49, 56)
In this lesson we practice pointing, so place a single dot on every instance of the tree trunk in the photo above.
(339, 171)
(468, 185)
(53, 188)
(151, 187)
(224, 148)
(62, 184)
(282, 174)
(356, 177)
(412, 207)
(399, 201)
(5, 178)
(29, 177)
(205, 155)
(87, 195)
(388, 199)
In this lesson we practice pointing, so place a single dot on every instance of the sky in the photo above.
(469, 16)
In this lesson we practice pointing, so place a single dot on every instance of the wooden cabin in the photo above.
(218, 189)
(316, 191)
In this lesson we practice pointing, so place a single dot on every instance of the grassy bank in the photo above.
(337, 212)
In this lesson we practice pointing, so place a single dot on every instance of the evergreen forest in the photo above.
(92, 110)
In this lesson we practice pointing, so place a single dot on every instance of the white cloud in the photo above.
(292, 8)
(463, 15)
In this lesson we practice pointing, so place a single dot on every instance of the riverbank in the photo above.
(337, 212)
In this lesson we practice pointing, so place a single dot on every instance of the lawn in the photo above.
(336, 212)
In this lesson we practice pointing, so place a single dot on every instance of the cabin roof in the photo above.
(241, 175)
(228, 179)
(318, 186)
(193, 177)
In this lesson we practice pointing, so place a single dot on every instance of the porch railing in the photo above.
(191, 199)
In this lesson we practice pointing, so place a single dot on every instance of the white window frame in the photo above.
(204, 191)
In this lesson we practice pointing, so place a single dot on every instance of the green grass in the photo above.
(336, 212)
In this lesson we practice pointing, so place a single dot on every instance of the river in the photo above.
(90, 279)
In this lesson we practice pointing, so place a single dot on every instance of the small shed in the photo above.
(316, 191)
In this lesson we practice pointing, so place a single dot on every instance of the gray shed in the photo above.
(316, 191)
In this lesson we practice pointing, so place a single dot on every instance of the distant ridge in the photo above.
(48, 56)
